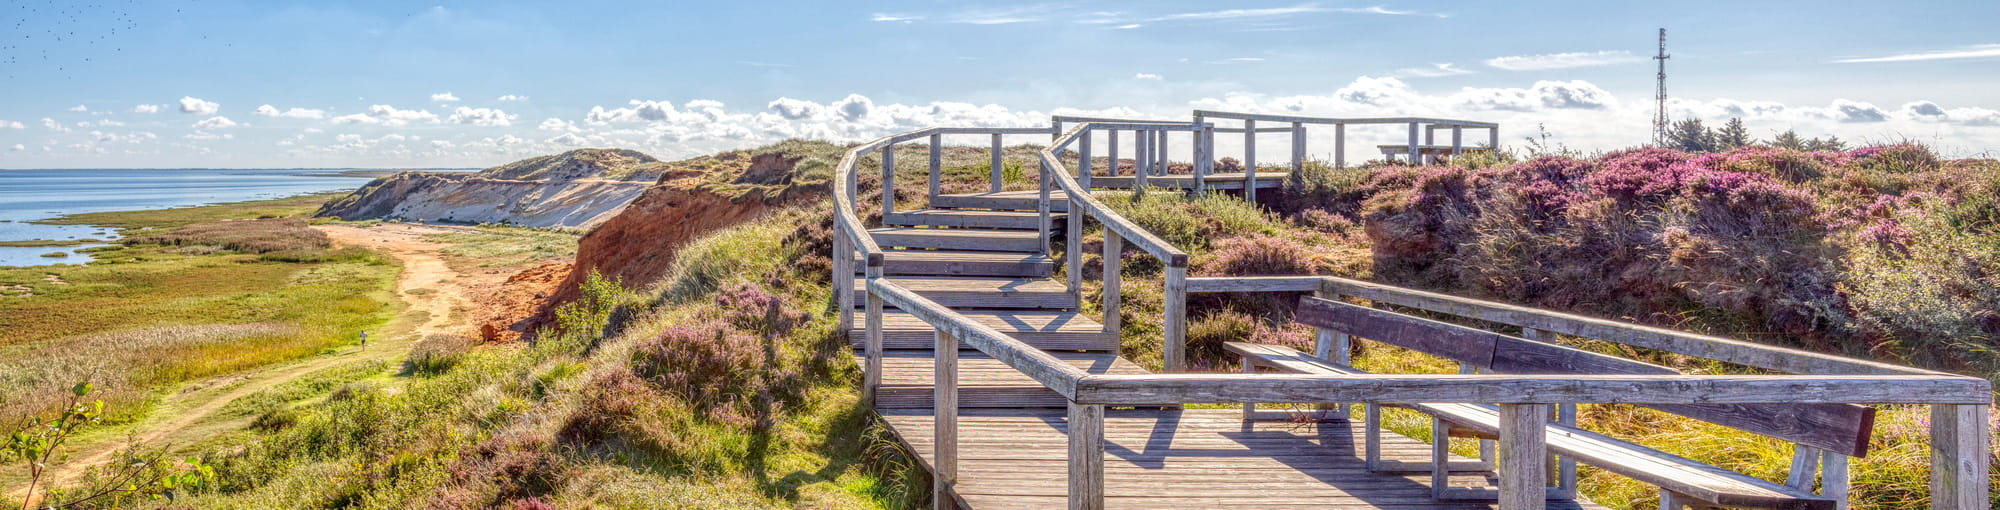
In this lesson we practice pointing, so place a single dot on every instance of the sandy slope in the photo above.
(190, 414)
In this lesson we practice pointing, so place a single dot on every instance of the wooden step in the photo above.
(1016, 220)
(972, 292)
(963, 239)
(1004, 200)
(1049, 330)
(907, 377)
(961, 263)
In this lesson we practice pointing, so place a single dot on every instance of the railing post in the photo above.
(1332, 346)
(937, 165)
(1161, 148)
(1565, 415)
(1114, 264)
(944, 457)
(1111, 153)
(1142, 157)
(1204, 155)
(1805, 465)
(1046, 224)
(1457, 140)
(1416, 154)
(888, 179)
(1250, 160)
(1833, 479)
(1086, 456)
(1523, 471)
(1960, 457)
(843, 277)
(1073, 249)
(1493, 140)
(1298, 147)
(871, 379)
(997, 164)
(1175, 329)
(1083, 160)
(1340, 145)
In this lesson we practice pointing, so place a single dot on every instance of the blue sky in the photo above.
(385, 84)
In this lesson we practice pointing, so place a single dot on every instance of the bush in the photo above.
(711, 366)
(435, 354)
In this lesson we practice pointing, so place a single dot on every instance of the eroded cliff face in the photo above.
(576, 189)
(703, 195)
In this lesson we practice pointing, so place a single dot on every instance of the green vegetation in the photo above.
(47, 243)
(144, 222)
(725, 385)
(506, 246)
(146, 315)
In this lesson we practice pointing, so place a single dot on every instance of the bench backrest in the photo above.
(1841, 428)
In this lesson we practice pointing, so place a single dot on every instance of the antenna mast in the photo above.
(1660, 114)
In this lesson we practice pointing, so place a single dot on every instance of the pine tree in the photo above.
(1689, 136)
(1789, 140)
(1733, 135)
(1830, 144)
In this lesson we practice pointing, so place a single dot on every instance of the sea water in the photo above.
(30, 195)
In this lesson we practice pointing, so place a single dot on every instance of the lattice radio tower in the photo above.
(1660, 97)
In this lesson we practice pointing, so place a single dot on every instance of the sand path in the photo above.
(439, 305)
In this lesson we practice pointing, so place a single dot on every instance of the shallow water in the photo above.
(29, 195)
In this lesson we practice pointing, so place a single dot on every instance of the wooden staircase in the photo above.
(980, 254)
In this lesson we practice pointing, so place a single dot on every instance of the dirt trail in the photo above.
(440, 305)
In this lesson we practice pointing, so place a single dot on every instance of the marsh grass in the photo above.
(506, 246)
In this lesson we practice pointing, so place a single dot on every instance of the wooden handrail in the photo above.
(1058, 174)
(1043, 367)
(1338, 120)
(1532, 389)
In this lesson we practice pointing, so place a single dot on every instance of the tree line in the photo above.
(1691, 136)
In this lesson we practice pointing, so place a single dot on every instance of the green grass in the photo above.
(146, 316)
(505, 246)
(142, 222)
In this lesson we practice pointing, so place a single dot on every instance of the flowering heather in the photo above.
(1258, 255)
(714, 367)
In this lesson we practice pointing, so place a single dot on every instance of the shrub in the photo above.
(1258, 255)
(437, 353)
(711, 366)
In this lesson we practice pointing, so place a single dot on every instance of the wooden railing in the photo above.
(850, 236)
(1425, 126)
(1117, 231)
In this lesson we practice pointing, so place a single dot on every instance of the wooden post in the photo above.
(1340, 145)
(888, 179)
(997, 164)
(1833, 479)
(1298, 147)
(1371, 430)
(1204, 156)
(1142, 157)
(937, 165)
(1523, 451)
(1416, 155)
(843, 277)
(945, 455)
(1114, 263)
(1249, 408)
(1250, 161)
(1457, 140)
(1073, 249)
(1493, 139)
(1046, 225)
(1175, 329)
(1805, 464)
(1111, 153)
(871, 378)
(1083, 161)
(1055, 130)
(1332, 346)
(1086, 456)
(1959, 456)
(1565, 486)
(1161, 148)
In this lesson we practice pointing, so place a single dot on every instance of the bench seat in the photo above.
(1679, 475)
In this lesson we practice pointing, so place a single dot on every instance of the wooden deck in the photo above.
(1192, 458)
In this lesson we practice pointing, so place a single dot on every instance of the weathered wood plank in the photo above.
(1086, 456)
(976, 292)
(1523, 450)
(962, 263)
(1174, 331)
(963, 239)
(1002, 200)
(1112, 278)
(1010, 220)
(1044, 368)
(1610, 389)
(1336, 120)
(1043, 329)
(1960, 458)
(944, 433)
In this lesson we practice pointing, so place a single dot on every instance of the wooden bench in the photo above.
(1839, 430)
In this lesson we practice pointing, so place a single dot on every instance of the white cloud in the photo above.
(1844, 110)
(1128, 26)
(1147, 76)
(444, 97)
(204, 136)
(217, 122)
(1237, 60)
(569, 140)
(52, 125)
(12, 124)
(195, 106)
(1389, 12)
(899, 18)
(1242, 13)
(386, 115)
(18, 148)
(512, 97)
(1563, 60)
(79, 108)
(295, 113)
(1973, 51)
(555, 124)
(146, 108)
(1434, 71)
(109, 123)
(1543, 95)
(481, 117)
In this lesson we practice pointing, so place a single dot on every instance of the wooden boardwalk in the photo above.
(1193, 458)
